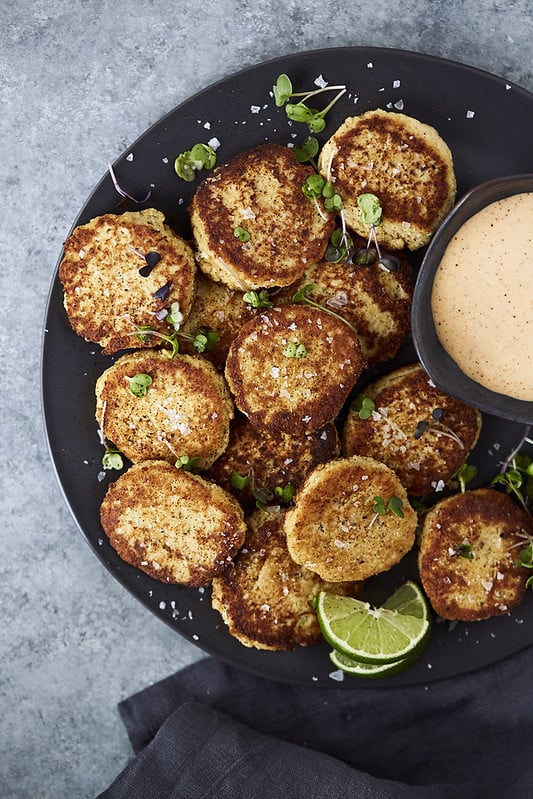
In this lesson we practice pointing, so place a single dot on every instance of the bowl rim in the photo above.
(439, 365)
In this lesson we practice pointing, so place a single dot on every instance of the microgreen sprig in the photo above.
(295, 349)
(301, 111)
(371, 215)
(112, 459)
(144, 331)
(307, 151)
(120, 190)
(363, 406)
(258, 299)
(186, 463)
(303, 295)
(316, 187)
(464, 475)
(200, 156)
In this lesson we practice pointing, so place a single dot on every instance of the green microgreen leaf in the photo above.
(294, 349)
(112, 459)
(242, 234)
(263, 496)
(394, 506)
(205, 340)
(175, 316)
(301, 111)
(239, 481)
(363, 406)
(186, 463)
(282, 90)
(464, 475)
(308, 150)
(259, 299)
(285, 493)
(139, 384)
(145, 331)
(465, 551)
(370, 207)
(200, 156)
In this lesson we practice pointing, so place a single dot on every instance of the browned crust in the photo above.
(333, 529)
(105, 296)
(404, 398)
(489, 584)
(173, 525)
(260, 190)
(272, 459)
(186, 409)
(293, 395)
(266, 598)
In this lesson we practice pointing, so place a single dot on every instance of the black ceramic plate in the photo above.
(486, 122)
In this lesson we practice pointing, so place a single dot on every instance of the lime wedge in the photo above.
(369, 634)
(368, 670)
(410, 600)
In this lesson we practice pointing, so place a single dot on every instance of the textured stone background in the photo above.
(80, 80)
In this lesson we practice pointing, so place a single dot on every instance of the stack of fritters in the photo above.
(287, 354)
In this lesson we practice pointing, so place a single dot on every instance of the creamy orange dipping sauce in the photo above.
(482, 298)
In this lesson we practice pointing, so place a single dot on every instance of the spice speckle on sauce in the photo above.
(482, 299)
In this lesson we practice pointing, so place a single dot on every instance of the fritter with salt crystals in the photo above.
(258, 462)
(376, 302)
(175, 526)
(291, 368)
(153, 407)
(401, 160)
(123, 272)
(265, 598)
(468, 555)
(351, 520)
(416, 429)
(253, 226)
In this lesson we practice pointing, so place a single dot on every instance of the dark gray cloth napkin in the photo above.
(212, 730)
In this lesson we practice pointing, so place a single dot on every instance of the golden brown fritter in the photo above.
(266, 598)
(291, 368)
(269, 459)
(376, 302)
(219, 309)
(258, 195)
(334, 527)
(401, 160)
(185, 411)
(468, 555)
(109, 288)
(416, 429)
(175, 526)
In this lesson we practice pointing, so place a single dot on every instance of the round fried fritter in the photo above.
(291, 368)
(185, 411)
(175, 526)
(265, 598)
(376, 302)
(270, 460)
(416, 429)
(468, 555)
(218, 309)
(252, 224)
(335, 527)
(401, 160)
(106, 297)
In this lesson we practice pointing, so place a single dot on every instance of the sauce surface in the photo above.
(482, 299)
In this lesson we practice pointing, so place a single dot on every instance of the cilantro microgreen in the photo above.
(394, 506)
(200, 156)
(242, 234)
(465, 551)
(258, 299)
(112, 459)
(301, 111)
(139, 384)
(363, 406)
(295, 349)
(315, 187)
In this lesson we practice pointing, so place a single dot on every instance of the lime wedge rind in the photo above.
(368, 670)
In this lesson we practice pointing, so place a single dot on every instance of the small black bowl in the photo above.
(441, 368)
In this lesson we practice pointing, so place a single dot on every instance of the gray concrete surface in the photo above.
(79, 81)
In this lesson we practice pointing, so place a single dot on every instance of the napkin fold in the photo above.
(213, 730)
